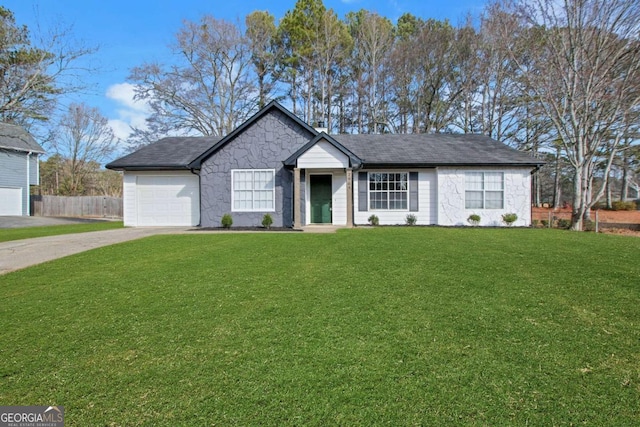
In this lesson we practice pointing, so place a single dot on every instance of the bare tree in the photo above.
(211, 91)
(583, 73)
(374, 40)
(36, 70)
(82, 139)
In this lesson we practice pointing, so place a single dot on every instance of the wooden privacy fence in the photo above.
(79, 206)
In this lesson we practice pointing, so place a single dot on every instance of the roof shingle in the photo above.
(433, 150)
(16, 138)
(174, 152)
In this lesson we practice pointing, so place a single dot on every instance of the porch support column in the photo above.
(296, 198)
(349, 197)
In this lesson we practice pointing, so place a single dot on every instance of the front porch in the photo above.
(322, 197)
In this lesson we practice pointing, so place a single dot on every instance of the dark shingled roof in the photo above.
(414, 150)
(174, 152)
(14, 137)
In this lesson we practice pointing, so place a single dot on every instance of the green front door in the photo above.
(320, 196)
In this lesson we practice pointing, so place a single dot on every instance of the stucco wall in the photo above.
(451, 197)
(265, 144)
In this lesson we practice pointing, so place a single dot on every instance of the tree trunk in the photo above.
(557, 189)
(608, 192)
(578, 208)
(624, 190)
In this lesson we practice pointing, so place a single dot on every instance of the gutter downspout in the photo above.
(29, 153)
(193, 171)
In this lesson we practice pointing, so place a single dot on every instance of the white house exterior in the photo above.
(274, 163)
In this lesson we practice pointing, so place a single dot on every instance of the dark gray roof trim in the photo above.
(170, 153)
(16, 138)
(224, 141)
(432, 150)
(354, 160)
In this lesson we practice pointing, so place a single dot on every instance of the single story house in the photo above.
(19, 169)
(275, 163)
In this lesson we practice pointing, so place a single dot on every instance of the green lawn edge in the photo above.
(9, 234)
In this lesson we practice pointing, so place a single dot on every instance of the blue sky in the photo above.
(128, 33)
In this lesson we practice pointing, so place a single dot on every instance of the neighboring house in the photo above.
(19, 169)
(275, 163)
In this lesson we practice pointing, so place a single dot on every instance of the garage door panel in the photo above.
(10, 201)
(168, 200)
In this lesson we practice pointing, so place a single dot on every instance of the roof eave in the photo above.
(22, 149)
(147, 167)
(431, 165)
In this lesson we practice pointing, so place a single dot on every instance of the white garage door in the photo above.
(168, 200)
(10, 201)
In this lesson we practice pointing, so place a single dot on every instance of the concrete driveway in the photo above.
(18, 254)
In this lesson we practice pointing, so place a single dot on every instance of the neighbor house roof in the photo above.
(175, 152)
(428, 150)
(16, 138)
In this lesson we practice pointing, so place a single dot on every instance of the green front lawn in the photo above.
(7, 234)
(391, 326)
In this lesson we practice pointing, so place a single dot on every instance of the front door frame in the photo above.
(308, 216)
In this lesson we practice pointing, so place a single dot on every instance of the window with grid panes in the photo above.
(253, 190)
(388, 191)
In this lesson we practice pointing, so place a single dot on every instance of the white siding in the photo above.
(427, 202)
(339, 204)
(323, 155)
(129, 213)
(451, 197)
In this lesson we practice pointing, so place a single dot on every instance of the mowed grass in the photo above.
(7, 234)
(391, 326)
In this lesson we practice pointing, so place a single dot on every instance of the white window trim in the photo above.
(273, 191)
(484, 190)
(369, 208)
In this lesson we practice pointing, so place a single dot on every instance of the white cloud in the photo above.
(130, 112)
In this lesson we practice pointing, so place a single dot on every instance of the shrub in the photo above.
(474, 219)
(226, 221)
(509, 218)
(588, 225)
(267, 221)
(545, 222)
(373, 220)
(623, 206)
(411, 219)
(535, 223)
(564, 223)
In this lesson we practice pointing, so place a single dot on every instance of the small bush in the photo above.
(535, 223)
(373, 220)
(226, 221)
(509, 218)
(545, 222)
(267, 220)
(411, 219)
(474, 219)
(589, 225)
(623, 206)
(564, 223)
